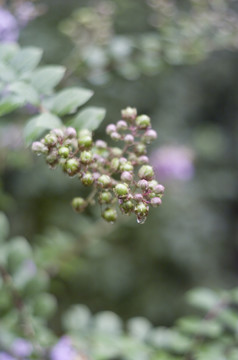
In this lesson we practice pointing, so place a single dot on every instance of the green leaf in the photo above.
(89, 118)
(200, 327)
(107, 322)
(44, 305)
(38, 124)
(25, 91)
(26, 59)
(67, 101)
(19, 250)
(10, 104)
(46, 78)
(7, 74)
(4, 226)
(7, 51)
(163, 338)
(203, 298)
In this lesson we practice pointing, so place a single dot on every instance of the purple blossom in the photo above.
(173, 162)
(22, 348)
(26, 12)
(9, 30)
(63, 350)
(5, 356)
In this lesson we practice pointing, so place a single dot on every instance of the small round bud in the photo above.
(52, 158)
(85, 142)
(129, 113)
(78, 204)
(126, 176)
(63, 151)
(138, 197)
(39, 148)
(146, 172)
(96, 175)
(129, 139)
(127, 207)
(126, 166)
(121, 125)
(84, 132)
(87, 179)
(58, 132)
(143, 159)
(143, 184)
(111, 128)
(86, 157)
(100, 144)
(104, 181)
(121, 190)
(152, 184)
(149, 136)
(132, 158)
(50, 139)
(116, 151)
(143, 121)
(105, 197)
(114, 164)
(156, 201)
(72, 166)
(115, 136)
(70, 132)
(140, 149)
(141, 209)
(159, 189)
(109, 215)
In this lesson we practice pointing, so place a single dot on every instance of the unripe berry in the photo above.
(72, 166)
(116, 151)
(111, 128)
(109, 215)
(143, 184)
(138, 197)
(50, 139)
(114, 164)
(156, 201)
(152, 184)
(105, 197)
(84, 132)
(85, 142)
(143, 121)
(70, 132)
(87, 179)
(140, 149)
(143, 160)
(121, 125)
(126, 176)
(149, 136)
(146, 172)
(86, 157)
(115, 136)
(141, 209)
(127, 207)
(159, 189)
(58, 132)
(63, 151)
(52, 158)
(121, 190)
(100, 144)
(129, 139)
(129, 113)
(104, 181)
(78, 204)
(127, 166)
(39, 148)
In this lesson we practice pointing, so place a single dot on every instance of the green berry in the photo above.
(109, 215)
(104, 181)
(72, 166)
(140, 149)
(85, 142)
(127, 207)
(114, 164)
(52, 157)
(105, 197)
(87, 179)
(127, 166)
(84, 132)
(86, 157)
(121, 190)
(116, 151)
(50, 139)
(129, 113)
(146, 172)
(141, 209)
(78, 204)
(143, 121)
(63, 151)
(152, 184)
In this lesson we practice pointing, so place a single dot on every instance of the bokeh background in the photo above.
(179, 66)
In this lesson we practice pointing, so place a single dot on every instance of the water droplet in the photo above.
(141, 220)
(112, 222)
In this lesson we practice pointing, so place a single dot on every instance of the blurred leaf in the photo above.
(68, 100)
(163, 338)
(200, 327)
(46, 78)
(4, 226)
(24, 274)
(107, 322)
(10, 104)
(203, 298)
(7, 50)
(89, 118)
(76, 318)
(139, 327)
(37, 284)
(26, 59)
(38, 124)
(25, 92)
(7, 74)
(19, 250)
(44, 305)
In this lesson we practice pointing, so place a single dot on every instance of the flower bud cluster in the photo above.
(118, 174)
